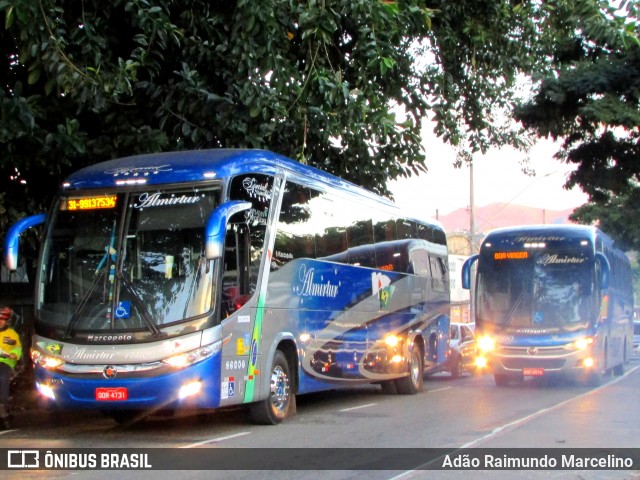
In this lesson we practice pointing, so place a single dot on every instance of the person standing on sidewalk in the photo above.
(10, 353)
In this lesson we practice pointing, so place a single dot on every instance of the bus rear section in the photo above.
(551, 300)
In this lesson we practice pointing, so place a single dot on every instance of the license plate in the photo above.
(533, 372)
(112, 394)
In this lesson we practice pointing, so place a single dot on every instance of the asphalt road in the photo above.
(470, 412)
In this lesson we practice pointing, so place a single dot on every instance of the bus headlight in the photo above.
(392, 340)
(45, 361)
(189, 358)
(486, 343)
(580, 344)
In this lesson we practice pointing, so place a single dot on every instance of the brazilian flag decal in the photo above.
(54, 348)
(385, 294)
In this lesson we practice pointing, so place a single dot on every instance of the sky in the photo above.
(498, 178)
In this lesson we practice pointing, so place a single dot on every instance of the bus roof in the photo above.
(190, 166)
(201, 165)
(566, 231)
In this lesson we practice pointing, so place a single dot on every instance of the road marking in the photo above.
(439, 389)
(523, 420)
(356, 408)
(215, 440)
(520, 421)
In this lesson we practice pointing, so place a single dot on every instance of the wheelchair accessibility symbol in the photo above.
(123, 310)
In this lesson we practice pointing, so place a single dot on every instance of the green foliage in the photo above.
(613, 218)
(593, 104)
(344, 86)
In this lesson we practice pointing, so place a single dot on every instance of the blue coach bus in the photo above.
(551, 299)
(214, 278)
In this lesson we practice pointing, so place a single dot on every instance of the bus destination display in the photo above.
(91, 203)
(510, 255)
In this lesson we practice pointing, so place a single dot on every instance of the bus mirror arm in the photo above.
(217, 226)
(605, 270)
(466, 271)
(12, 240)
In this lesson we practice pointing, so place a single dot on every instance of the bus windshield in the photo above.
(536, 294)
(126, 262)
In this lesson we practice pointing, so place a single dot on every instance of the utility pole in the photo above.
(472, 225)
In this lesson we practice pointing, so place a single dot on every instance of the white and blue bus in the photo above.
(551, 299)
(215, 278)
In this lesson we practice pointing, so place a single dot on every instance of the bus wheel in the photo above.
(414, 382)
(275, 408)
(389, 387)
(501, 380)
(618, 370)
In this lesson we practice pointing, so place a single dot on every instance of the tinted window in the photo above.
(294, 237)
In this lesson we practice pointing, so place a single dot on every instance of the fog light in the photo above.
(45, 390)
(392, 340)
(190, 389)
(305, 337)
(481, 362)
(588, 362)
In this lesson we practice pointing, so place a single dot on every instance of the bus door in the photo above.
(236, 281)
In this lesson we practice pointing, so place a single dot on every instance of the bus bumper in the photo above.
(518, 362)
(195, 386)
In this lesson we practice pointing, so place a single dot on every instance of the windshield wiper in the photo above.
(108, 260)
(516, 306)
(139, 304)
(83, 302)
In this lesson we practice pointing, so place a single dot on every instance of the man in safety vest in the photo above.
(10, 353)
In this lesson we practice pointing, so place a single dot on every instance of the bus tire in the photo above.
(276, 407)
(618, 370)
(389, 387)
(501, 380)
(414, 381)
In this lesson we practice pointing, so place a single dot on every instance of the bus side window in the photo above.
(420, 262)
(438, 273)
(293, 239)
(331, 236)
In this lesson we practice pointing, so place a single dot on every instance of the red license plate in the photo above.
(533, 372)
(112, 394)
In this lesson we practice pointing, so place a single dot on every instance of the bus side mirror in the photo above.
(466, 271)
(217, 226)
(12, 241)
(605, 270)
